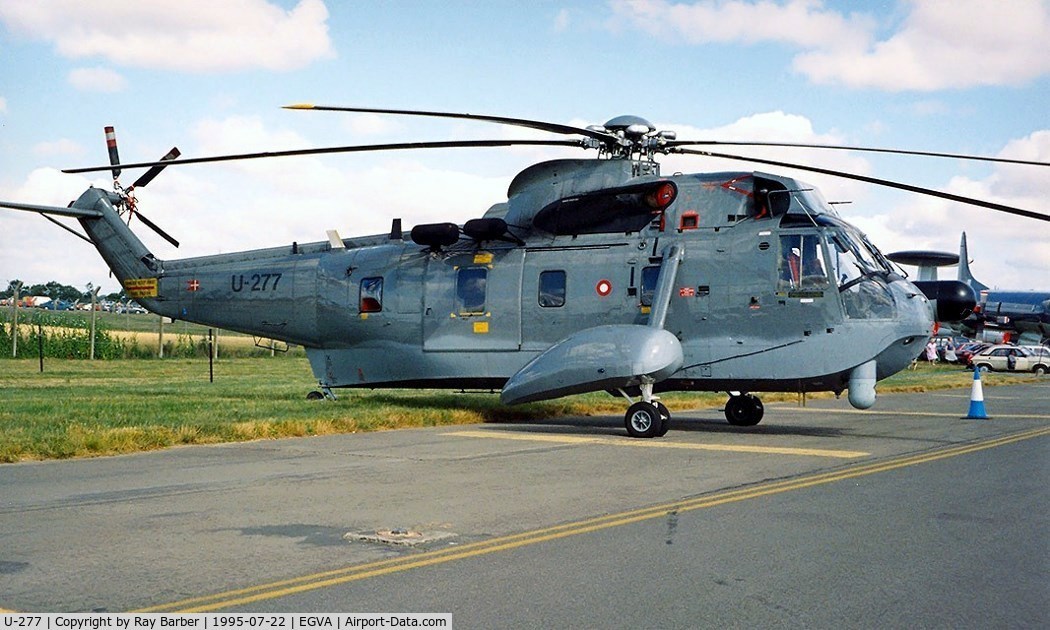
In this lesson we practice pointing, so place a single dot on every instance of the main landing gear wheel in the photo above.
(644, 420)
(314, 395)
(745, 410)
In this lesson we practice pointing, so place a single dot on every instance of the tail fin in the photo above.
(964, 268)
(120, 248)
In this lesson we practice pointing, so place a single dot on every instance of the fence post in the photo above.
(211, 355)
(94, 302)
(14, 324)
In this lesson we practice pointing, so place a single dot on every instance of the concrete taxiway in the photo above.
(520, 515)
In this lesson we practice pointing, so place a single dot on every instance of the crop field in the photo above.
(67, 334)
(80, 408)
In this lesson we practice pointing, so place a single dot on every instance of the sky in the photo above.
(957, 76)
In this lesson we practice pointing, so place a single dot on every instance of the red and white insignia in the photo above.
(193, 285)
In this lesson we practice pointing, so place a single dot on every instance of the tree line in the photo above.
(58, 291)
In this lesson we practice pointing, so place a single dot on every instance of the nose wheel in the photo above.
(744, 410)
(648, 417)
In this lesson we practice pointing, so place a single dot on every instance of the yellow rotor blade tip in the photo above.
(299, 106)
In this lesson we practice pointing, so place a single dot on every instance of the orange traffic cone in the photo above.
(977, 397)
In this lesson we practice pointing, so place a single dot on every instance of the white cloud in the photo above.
(37, 251)
(941, 44)
(235, 206)
(775, 126)
(97, 80)
(562, 20)
(798, 22)
(945, 44)
(370, 124)
(60, 147)
(194, 36)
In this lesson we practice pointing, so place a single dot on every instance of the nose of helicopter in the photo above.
(914, 324)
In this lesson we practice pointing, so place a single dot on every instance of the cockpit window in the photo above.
(801, 262)
(850, 259)
(859, 271)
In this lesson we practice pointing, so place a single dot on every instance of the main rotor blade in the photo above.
(958, 156)
(503, 120)
(148, 176)
(452, 144)
(156, 228)
(874, 180)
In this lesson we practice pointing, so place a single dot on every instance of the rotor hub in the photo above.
(631, 136)
(630, 125)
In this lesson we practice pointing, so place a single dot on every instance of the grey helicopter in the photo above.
(595, 274)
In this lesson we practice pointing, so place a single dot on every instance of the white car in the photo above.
(1013, 359)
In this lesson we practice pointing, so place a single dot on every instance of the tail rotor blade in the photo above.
(148, 176)
(156, 228)
(111, 144)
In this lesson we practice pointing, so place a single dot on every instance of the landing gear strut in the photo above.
(648, 417)
(744, 410)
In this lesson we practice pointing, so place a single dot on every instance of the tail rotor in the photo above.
(128, 194)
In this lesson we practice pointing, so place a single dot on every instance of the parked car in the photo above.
(1011, 358)
(1040, 353)
(968, 350)
(59, 305)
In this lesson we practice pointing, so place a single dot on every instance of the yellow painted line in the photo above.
(353, 573)
(607, 441)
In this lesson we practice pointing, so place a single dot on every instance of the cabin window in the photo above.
(649, 277)
(371, 295)
(552, 289)
(470, 290)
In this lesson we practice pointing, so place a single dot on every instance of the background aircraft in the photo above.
(1001, 316)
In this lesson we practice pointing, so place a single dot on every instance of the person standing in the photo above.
(949, 353)
(931, 351)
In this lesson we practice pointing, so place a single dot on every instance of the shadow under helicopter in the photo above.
(613, 425)
(542, 418)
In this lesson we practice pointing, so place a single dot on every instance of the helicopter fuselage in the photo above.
(794, 300)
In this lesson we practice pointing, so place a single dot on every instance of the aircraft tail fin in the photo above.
(964, 268)
(96, 210)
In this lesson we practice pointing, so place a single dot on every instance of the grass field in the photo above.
(79, 408)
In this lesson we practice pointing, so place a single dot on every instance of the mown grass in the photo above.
(80, 408)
